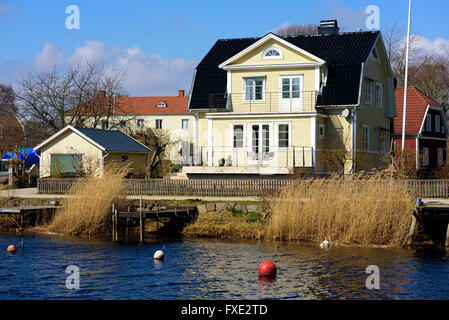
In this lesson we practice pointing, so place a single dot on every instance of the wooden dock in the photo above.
(434, 220)
(28, 216)
(125, 220)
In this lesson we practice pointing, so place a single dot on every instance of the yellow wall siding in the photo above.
(272, 89)
(135, 160)
(72, 143)
(254, 57)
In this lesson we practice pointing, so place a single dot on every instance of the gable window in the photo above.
(161, 105)
(105, 124)
(425, 156)
(158, 124)
(429, 122)
(140, 123)
(374, 55)
(379, 93)
(272, 53)
(185, 124)
(440, 156)
(237, 136)
(322, 131)
(369, 91)
(284, 135)
(254, 89)
(437, 123)
(365, 138)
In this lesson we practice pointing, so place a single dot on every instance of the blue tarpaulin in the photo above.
(26, 154)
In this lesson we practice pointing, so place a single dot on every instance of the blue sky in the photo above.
(162, 41)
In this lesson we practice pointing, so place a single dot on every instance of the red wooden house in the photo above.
(426, 129)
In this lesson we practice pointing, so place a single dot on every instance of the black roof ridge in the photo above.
(303, 35)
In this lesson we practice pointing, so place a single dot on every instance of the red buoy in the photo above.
(267, 269)
(11, 249)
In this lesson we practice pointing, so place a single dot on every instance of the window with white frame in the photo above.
(425, 156)
(254, 89)
(185, 124)
(104, 124)
(437, 123)
(158, 124)
(369, 91)
(140, 123)
(237, 136)
(283, 135)
(322, 131)
(379, 93)
(272, 53)
(429, 122)
(440, 156)
(365, 138)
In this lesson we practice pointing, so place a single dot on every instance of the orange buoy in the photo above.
(11, 249)
(267, 269)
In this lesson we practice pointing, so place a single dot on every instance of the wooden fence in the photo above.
(226, 188)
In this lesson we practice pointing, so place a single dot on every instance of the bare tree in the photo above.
(297, 29)
(159, 141)
(82, 95)
(7, 101)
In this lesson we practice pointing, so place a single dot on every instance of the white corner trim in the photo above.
(317, 79)
(270, 36)
(313, 139)
(209, 142)
(228, 81)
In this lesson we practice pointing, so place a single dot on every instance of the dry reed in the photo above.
(88, 211)
(370, 211)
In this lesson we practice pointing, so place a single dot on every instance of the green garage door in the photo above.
(65, 164)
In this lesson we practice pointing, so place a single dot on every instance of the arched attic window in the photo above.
(272, 53)
(161, 105)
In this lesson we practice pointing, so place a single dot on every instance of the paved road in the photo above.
(32, 193)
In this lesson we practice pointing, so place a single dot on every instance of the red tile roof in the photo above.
(148, 105)
(417, 103)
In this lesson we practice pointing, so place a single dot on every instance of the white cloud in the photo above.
(146, 74)
(48, 57)
(439, 46)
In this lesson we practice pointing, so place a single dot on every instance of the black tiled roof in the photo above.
(114, 140)
(344, 54)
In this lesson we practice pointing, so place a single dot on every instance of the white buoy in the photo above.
(159, 255)
(325, 244)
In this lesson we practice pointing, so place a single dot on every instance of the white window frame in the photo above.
(155, 123)
(321, 126)
(265, 57)
(162, 104)
(289, 135)
(437, 123)
(243, 137)
(263, 78)
(371, 55)
(440, 152)
(369, 84)
(140, 121)
(364, 126)
(381, 87)
(382, 140)
(425, 156)
(187, 127)
(429, 122)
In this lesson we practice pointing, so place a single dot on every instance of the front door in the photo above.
(260, 144)
(290, 93)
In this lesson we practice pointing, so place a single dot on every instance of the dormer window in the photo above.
(374, 55)
(161, 105)
(272, 53)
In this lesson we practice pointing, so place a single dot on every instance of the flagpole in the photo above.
(406, 75)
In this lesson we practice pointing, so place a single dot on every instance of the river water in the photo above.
(216, 269)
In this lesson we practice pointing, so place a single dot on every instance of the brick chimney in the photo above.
(180, 93)
(101, 94)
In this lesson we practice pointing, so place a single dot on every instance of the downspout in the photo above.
(102, 164)
(354, 121)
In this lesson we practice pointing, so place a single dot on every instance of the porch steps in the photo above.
(177, 176)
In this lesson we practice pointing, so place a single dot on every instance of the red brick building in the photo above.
(426, 129)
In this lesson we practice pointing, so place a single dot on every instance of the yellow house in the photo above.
(71, 151)
(274, 106)
(132, 114)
